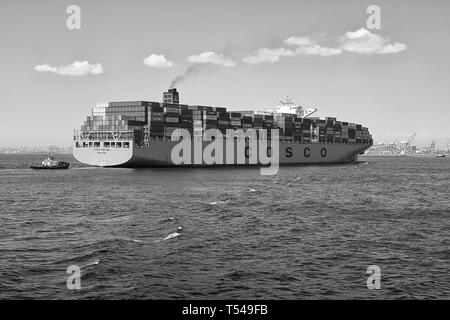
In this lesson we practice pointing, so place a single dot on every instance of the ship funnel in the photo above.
(171, 96)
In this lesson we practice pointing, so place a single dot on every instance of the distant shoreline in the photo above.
(400, 156)
(28, 153)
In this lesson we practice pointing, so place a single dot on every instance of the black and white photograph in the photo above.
(224, 155)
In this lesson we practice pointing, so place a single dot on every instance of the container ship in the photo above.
(141, 134)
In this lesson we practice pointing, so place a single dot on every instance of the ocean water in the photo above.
(308, 232)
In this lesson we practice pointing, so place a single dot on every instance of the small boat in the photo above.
(441, 156)
(50, 163)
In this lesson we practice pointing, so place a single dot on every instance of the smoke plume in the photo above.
(191, 70)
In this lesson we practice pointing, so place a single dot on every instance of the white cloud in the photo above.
(158, 61)
(316, 50)
(365, 42)
(268, 55)
(75, 69)
(210, 57)
(308, 47)
(305, 46)
(299, 41)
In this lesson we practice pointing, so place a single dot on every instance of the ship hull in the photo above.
(159, 154)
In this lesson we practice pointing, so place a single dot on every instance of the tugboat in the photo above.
(50, 163)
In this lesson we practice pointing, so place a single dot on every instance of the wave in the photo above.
(95, 262)
(111, 220)
(171, 236)
(220, 202)
(83, 256)
(134, 240)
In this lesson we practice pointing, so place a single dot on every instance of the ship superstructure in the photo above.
(139, 133)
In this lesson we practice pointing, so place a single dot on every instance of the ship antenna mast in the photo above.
(287, 102)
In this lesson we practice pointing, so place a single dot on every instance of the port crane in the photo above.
(433, 145)
(406, 144)
(410, 139)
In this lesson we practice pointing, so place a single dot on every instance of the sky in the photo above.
(243, 55)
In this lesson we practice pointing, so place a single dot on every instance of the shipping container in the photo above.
(171, 119)
(235, 124)
(171, 124)
(247, 113)
(171, 109)
(247, 119)
(223, 116)
(201, 108)
(209, 113)
(220, 109)
(210, 117)
(186, 112)
(128, 103)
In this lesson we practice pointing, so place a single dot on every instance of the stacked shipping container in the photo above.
(152, 120)
(187, 119)
(171, 118)
(155, 120)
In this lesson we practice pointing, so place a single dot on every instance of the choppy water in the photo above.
(308, 232)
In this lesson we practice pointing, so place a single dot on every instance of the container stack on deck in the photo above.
(297, 134)
(131, 110)
(285, 124)
(187, 119)
(306, 130)
(268, 124)
(338, 132)
(366, 135)
(235, 120)
(171, 118)
(223, 120)
(322, 130)
(209, 120)
(96, 123)
(154, 120)
(358, 133)
(344, 132)
(329, 125)
(351, 133)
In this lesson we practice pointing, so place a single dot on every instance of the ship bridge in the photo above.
(288, 107)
